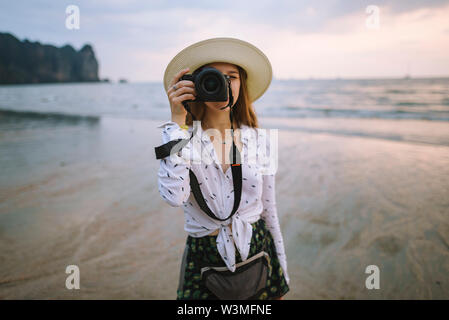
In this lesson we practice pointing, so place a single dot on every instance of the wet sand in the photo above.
(86, 194)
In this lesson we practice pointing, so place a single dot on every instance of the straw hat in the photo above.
(230, 50)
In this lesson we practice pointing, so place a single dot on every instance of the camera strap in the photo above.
(236, 168)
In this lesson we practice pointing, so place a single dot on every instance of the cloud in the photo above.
(136, 39)
(415, 37)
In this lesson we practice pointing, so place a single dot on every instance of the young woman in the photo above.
(254, 228)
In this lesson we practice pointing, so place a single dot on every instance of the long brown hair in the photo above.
(242, 111)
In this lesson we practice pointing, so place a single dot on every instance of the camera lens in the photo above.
(211, 84)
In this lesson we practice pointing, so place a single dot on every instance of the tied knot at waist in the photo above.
(238, 237)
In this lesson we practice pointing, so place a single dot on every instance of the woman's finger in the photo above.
(185, 83)
(178, 75)
(180, 84)
(186, 96)
(184, 90)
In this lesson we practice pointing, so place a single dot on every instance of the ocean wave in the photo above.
(399, 135)
(304, 112)
(11, 119)
(44, 115)
(265, 111)
(410, 104)
(397, 91)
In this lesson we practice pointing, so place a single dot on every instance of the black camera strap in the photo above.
(236, 168)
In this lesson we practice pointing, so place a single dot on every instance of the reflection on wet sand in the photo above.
(84, 192)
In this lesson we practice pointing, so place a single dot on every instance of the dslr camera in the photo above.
(210, 84)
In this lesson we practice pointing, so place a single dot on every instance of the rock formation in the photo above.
(33, 62)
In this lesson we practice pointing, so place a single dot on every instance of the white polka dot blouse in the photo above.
(258, 189)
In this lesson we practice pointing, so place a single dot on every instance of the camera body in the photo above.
(210, 84)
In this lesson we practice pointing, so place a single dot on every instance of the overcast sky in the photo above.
(302, 39)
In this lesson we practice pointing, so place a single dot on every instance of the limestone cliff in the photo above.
(33, 62)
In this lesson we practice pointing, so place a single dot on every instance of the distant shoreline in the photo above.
(274, 80)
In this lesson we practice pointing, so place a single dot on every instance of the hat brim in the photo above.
(230, 50)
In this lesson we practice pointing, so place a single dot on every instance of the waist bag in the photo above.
(246, 283)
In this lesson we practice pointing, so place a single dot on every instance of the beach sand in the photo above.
(87, 195)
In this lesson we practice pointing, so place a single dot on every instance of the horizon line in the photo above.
(323, 78)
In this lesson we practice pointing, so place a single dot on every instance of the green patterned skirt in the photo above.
(204, 251)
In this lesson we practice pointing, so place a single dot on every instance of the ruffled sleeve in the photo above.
(173, 173)
(269, 213)
(270, 216)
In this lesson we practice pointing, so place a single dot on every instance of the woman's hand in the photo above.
(185, 90)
